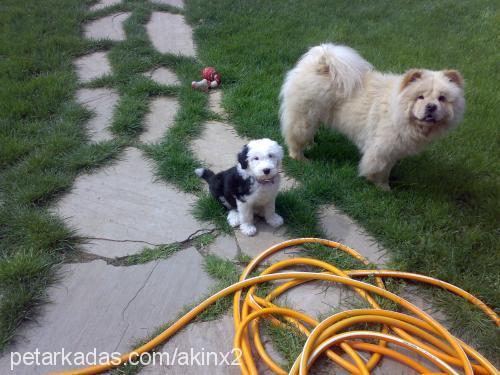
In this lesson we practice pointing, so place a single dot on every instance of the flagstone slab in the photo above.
(218, 145)
(214, 337)
(175, 3)
(224, 246)
(90, 67)
(101, 102)
(163, 76)
(215, 102)
(107, 308)
(161, 116)
(266, 237)
(170, 33)
(104, 4)
(341, 228)
(109, 27)
(319, 299)
(124, 202)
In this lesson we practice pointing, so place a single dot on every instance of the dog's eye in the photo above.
(256, 158)
(271, 156)
(442, 98)
(420, 97)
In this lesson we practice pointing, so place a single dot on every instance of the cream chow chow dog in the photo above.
(387, 116)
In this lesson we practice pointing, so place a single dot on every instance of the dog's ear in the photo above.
(242, 157)
(411, 76)
(455, 77)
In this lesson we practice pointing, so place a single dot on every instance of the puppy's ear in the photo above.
(455, 77)
(242, 157)
(410, 76)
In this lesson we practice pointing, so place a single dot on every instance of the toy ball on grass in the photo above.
(210, 79)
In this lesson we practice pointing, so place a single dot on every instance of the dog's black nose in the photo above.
(266, 171)
(430, 107)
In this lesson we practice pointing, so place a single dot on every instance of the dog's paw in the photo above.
(275, 220)
(248, 229)
(383, 186)
(299, 156)
(233, 218)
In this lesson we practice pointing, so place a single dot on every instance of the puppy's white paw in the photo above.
(233, 218)
(248, 229)
(275, 220)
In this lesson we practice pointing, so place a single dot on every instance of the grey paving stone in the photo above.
(218, 146)
(204, 337)
(90, 67)
(319, 299)
(106, 307)
(224, 246)
(101, 102)
(109, 27)
(123, 202)
(175, 3)
(104, 4)
(341, 228)
(266, 237)
(169, 33)
(161, 116)
(163, 76)
(214, 102)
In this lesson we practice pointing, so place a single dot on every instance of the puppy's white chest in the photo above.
(263, 193)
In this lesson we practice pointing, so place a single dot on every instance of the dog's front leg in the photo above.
(233, 218)
(376, 168)
(245, 212)
(272, 218)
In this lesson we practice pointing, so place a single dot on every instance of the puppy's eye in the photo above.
(256, 158)
(442, 98)
(420, 97)
(271, 156)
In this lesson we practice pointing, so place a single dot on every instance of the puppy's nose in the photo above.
(266, 171)
(430, 107)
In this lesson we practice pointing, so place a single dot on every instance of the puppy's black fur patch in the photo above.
(229, 185)
(242, 157)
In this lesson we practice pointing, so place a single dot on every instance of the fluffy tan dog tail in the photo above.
(344, 66)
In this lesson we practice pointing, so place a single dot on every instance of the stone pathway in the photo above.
(169, 33)
(163, 76)
(101, 102)
(109, 27)
(90, 67)
(103, 4)
(121, 209)
(162, 112)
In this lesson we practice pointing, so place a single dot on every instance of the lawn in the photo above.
(441, 218)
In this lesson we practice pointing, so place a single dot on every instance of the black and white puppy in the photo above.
(251, 186)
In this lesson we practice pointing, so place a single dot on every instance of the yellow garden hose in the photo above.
(418, 332)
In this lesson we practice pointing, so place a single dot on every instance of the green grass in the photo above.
(441, 218)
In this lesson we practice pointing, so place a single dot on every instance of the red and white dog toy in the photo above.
(211, 79)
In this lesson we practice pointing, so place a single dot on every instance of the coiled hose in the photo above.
(418, 332)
